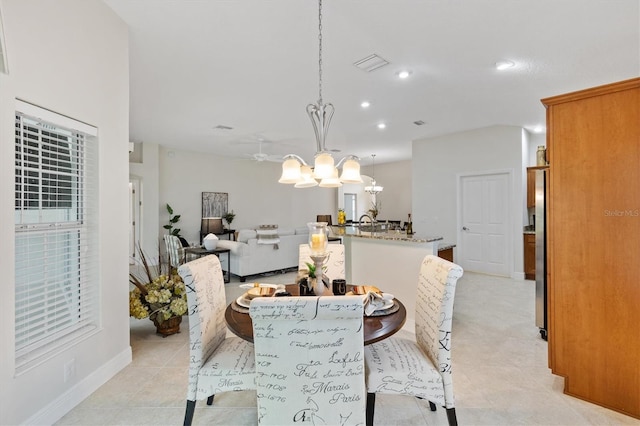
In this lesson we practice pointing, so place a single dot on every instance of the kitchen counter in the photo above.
(396, 236)
(390, 261)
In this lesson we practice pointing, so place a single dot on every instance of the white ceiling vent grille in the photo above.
(371, 63)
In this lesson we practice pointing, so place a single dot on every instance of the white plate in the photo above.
(387, 304)
(243, 301)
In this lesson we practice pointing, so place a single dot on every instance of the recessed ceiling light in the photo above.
(504, 65)
(365, 104)
(381, 126)
(404, 74)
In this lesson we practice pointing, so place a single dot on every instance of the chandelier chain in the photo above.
(320, 52)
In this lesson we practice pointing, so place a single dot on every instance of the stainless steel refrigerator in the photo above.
(541, 251)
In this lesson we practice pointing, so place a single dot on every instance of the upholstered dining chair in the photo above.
(175, 252)
(421, 368)
(324, 218)
(335, 261)
(217, 363)
(309, 363)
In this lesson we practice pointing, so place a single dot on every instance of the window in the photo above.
(56, 250)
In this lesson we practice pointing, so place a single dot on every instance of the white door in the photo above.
(484, 223)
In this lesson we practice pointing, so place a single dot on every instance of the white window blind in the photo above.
(56, 198)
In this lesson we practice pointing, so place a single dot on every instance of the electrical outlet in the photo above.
(69, 369)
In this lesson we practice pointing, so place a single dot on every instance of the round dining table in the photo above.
(375, 328)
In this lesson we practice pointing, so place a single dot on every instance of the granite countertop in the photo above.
(529, 229)
(396, 236)
(445, 246)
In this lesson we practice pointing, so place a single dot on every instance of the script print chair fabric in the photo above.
(421, 368)
(334, 263)
(309, 360)
(175, 252)
(217, 363)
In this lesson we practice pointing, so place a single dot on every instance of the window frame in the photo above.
(57, 285)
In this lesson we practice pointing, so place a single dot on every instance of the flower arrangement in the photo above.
(375, 209)
(157, 295)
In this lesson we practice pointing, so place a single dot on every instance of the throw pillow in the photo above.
(268, 234)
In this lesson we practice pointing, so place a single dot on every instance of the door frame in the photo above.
(509, 213)
(135, 216)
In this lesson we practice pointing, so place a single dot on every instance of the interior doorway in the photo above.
(350, 206)
(135, 222)
(484, 230)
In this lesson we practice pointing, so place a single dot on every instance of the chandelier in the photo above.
(295, 170)
(373, 188)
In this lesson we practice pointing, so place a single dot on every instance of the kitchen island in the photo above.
(390, 261)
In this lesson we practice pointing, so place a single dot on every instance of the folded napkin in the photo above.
(374, 301)
(279, 287)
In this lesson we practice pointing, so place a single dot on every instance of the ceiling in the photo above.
(252, 65)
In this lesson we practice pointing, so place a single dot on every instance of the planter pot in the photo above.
(168, 327)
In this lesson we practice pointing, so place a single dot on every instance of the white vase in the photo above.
(320, 289)
(210, 242)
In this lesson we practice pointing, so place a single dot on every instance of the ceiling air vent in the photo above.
(371, 63)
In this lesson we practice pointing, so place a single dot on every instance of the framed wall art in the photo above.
(214, 204)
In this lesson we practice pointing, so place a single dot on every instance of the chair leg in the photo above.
(210, 400)
(371, 405)
(432, 406)
(451, 417)
(188, 414)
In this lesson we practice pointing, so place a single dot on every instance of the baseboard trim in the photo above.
(74, 396)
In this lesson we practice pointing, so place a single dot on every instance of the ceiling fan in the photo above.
(261, 156)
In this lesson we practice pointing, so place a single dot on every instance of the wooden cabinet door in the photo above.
(594, 243)
(531, 187)
(530, 256)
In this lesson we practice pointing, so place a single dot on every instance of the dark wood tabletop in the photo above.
(375, 328)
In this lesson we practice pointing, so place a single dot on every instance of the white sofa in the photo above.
(248, 257)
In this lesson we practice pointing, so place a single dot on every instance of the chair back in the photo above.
(173, 246)
(324, 218)
(206, 299)
(334, 262)
(309, 360)
(434, 312)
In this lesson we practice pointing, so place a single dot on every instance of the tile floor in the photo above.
(500, 373)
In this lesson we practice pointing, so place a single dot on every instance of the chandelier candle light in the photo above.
(318, 244)
(374, 188)
(295, 170)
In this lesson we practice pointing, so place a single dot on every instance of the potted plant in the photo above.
(228, 217)
(173, 219)
(158, 294)
(308, 280)
(375, 210)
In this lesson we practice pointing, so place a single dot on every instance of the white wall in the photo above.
(438, 161)
(69, 56)
(254, 193)
(395, 198)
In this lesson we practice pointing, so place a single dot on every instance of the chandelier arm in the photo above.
(348, 157)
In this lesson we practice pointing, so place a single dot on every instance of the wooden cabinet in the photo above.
(531, 184)
(593, 147)
(531, 187)
(530, 256)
